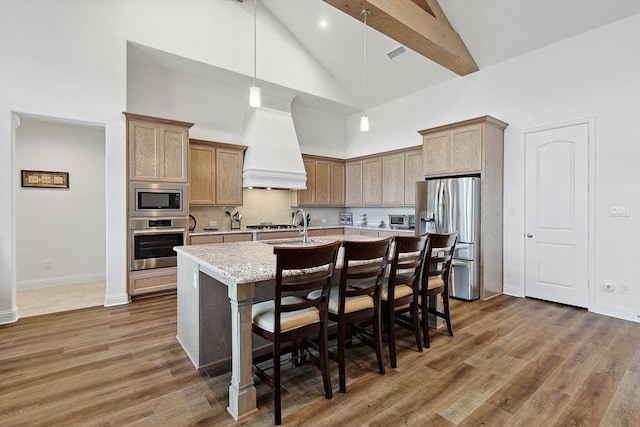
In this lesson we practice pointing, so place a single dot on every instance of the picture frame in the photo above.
(44, 179)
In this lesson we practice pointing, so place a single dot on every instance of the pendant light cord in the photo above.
(255, 43)
(364, 13)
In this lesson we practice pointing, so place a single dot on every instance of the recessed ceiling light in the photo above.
(324, 23)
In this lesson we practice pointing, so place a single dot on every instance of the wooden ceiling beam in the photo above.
(417, 24)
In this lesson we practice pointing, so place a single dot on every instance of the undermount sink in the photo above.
(291, 242)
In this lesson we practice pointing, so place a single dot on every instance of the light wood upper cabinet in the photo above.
(202, 172)
(372, 181)
(325, 182)
(457, 149)
(229, 163)
(412, 173)
(353, 183)
(215, 173)
(386, 179)
(337, 184)
(157, 148)
(466, 149)
(393, 171)
(308, 197)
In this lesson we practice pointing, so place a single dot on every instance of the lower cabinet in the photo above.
(155, 280)
(270, 235)
(333, 231)
(378, 233)
(221, 238)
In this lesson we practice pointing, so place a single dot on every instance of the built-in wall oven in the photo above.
(157, 199)
(152, 242)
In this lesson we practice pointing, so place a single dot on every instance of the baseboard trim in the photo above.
(9, 316)
(119, 299)
(59, 281)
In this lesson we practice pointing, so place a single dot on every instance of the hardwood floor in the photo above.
(512, 362)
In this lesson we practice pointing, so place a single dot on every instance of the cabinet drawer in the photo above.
(204, 240)
(155, 280)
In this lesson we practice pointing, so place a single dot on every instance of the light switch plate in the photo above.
(619, 211)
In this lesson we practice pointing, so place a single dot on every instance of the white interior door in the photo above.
(557, 170)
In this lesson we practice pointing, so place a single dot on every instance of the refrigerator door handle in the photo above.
(439, 203)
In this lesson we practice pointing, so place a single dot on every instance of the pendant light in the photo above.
(255, 93)
(364, 120)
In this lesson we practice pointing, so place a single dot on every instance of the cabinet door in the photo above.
(323, 183)
(354, 183)
(228, 176)
(372, 182)
(466, 149)
(173, 154)
(307, 197)
(337, 184)
(144, 151)
(393, 179)
(202, 168)
(437, 153)
(412, 173)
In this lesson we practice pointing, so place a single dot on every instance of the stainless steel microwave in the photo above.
(402, 221)
(153, 199)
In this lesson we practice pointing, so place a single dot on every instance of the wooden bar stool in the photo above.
(355, 304)
(401, 289)
(290, 316)
(435, 280)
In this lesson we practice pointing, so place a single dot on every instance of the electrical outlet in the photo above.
(324, 220)
(624, 289)
(48, 264)
(213, 222)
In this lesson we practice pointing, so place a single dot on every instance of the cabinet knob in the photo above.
(529, 235)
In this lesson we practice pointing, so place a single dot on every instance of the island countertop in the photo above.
(217, 285)
(249, 262)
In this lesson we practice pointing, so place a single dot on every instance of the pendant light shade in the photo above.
(364, 123)
(364, 120)
(255, 93)
(255, 97)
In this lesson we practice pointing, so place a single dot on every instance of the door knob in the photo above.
(529, 235)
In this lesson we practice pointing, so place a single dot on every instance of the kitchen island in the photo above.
(217, 285)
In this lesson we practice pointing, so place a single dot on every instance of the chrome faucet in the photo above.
(304, 224)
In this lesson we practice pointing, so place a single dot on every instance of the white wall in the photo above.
(67, 59)
(594, 75)
(220, 110)
(63, 226)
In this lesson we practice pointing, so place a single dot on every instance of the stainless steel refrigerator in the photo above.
(453, 204)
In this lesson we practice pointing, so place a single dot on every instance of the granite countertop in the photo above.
(246, 262)
(275, 230)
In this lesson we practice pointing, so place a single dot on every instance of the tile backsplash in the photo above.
(273, 206)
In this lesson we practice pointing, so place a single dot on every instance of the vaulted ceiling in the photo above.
(491, 30)
(484, 33)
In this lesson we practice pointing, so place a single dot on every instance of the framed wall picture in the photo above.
(42, 179)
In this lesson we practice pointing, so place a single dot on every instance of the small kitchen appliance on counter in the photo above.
(402, 221)
(346, 218)
(235, 220)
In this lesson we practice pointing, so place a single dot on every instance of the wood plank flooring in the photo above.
(512, 362)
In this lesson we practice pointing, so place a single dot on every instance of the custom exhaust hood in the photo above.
(273, 158)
